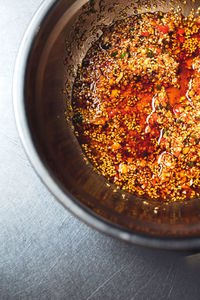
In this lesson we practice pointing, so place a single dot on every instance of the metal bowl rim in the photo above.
(80, 211)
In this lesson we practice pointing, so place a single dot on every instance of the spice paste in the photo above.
(136, 103)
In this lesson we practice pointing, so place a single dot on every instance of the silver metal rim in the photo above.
(66, 200)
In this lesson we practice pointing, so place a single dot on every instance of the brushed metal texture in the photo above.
(45, 253)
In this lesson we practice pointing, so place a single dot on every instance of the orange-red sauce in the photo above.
(137, 105)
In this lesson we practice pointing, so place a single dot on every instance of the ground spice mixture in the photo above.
(136, 102)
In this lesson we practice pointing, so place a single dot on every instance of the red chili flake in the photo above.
(181, 31)
(146, 33)
(112, 113)
(198, 20)
(163, 28)
(105, 64)
(181, 39)
(116, 176)
(158, 51)
(154, 117)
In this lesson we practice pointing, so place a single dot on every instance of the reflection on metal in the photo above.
(44, 74)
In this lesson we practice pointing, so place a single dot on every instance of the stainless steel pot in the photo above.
(55, 43)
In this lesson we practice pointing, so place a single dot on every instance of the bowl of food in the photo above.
(107, 104)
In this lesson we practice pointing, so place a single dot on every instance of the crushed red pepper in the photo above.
(136, 102)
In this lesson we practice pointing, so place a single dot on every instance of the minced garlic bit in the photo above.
(136, 103)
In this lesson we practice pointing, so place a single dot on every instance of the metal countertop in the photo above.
(45, 252)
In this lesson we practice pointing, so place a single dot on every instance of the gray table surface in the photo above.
(45, 252)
